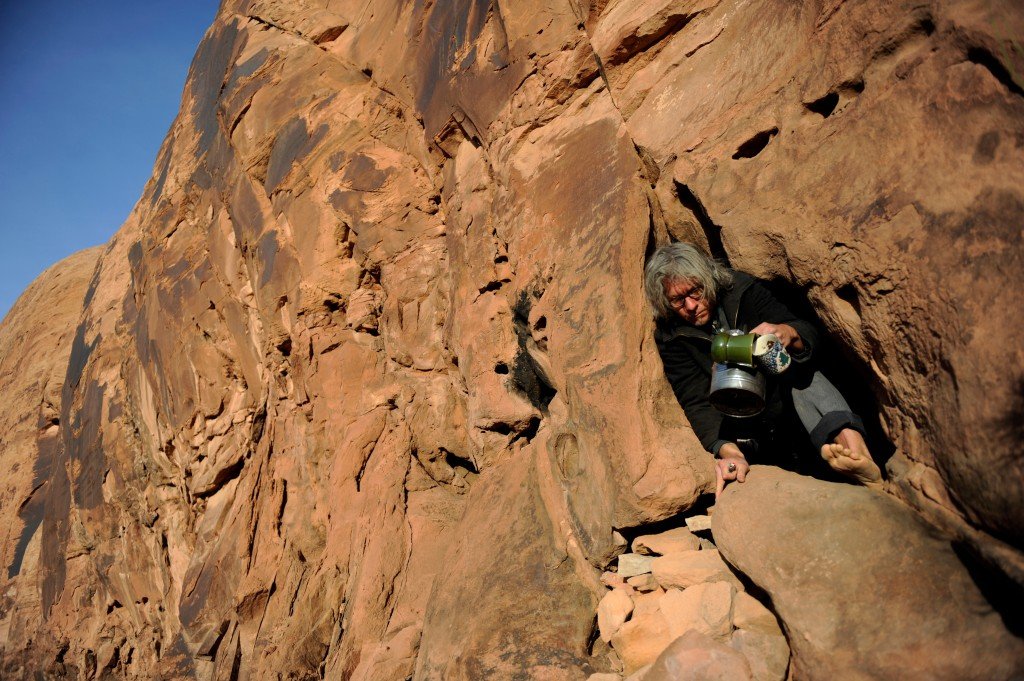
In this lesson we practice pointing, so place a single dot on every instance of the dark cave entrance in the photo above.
(845, 370)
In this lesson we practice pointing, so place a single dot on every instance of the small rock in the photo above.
(612, 612)
(767, 654)
(632, 564)
(640, 640)
(706, 544)
(680, 570)
(707, 608)
(671, 541)
(618, 540)
(644, 583)
(699, 523)
(648, 602)
(614, 580)
(751, 615)
(696, 657)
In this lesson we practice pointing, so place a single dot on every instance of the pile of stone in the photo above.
(676, 610)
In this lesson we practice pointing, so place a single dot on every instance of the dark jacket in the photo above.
(686, 353)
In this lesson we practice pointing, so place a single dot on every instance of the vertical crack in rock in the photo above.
(712, 231)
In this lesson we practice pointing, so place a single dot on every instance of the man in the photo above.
(694, 297)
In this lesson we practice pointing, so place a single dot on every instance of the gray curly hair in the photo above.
(682, 261)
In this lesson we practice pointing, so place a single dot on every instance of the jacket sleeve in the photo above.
(767, 308)
(690, 385)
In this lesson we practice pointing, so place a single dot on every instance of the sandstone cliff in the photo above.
(365, 384)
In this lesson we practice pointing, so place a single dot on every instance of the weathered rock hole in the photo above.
(501, 368)
(982, 57)
(456, 461)
(824, 106)
(491, 286)
(756, 144)
(285, 346)
(848, 293)
(499, 428)
(527, 377)
(530, 431)
(529, 380)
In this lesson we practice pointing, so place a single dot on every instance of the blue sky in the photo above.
(88, 91)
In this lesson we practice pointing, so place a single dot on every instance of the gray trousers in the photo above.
(823, 410)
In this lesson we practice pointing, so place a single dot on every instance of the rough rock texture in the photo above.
(366, 381)
(843, 564)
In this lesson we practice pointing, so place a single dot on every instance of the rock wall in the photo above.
(366, 381)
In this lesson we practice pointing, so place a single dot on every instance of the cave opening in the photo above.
(845, 370)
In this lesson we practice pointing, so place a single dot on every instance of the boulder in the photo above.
(861, 585)
(696, 657)
(680, 570)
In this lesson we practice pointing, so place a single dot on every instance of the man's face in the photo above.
(686, 297)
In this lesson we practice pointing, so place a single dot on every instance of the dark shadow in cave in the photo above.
(844, 370)
(1004, 595)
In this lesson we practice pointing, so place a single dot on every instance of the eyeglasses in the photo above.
(696, 294)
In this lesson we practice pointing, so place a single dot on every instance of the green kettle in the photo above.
(733, 347)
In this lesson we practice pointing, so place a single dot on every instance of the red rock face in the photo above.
(367, 379)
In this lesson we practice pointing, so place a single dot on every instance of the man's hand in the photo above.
(729, 457)
(787, 334)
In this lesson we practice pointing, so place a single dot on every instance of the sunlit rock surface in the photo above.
(861, 585)
(366, 380)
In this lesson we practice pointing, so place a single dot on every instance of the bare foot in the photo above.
(849, 456)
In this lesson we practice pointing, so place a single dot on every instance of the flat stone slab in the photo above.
(699, 523)
(633, 564)
(671, 541)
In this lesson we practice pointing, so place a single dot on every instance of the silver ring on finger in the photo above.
(731, 467)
